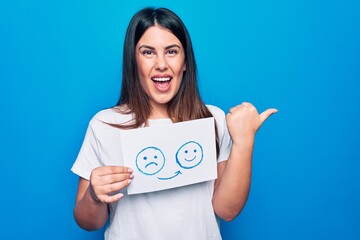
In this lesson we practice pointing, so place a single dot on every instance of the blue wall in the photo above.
(60, 63)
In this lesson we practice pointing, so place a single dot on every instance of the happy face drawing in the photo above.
(150, 160)
(189, 155)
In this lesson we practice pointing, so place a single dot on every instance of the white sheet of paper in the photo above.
(170, 155)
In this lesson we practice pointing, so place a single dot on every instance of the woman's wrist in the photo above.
(243, 142)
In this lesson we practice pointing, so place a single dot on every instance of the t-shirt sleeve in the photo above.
(225, 142)
(88, 157)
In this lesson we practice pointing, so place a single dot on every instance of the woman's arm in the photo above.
(91, 207)
(234, 176)
(89, 214)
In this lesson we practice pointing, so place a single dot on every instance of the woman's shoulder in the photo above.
(115, 115)
(220, 118)
(216, 111)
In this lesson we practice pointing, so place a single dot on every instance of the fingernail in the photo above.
(129, 181)
(132, 176)
(130, 170)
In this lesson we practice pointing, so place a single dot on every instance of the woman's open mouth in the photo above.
(162, 84)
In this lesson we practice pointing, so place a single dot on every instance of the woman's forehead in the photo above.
(157, 36)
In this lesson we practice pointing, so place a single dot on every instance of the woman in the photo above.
(159, 83)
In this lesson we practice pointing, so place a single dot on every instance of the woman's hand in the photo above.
(234, 176)
(106, 181)
(243, 121)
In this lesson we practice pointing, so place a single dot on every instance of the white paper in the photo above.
(170, 155)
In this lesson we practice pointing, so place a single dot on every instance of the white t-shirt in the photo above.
(184, 213)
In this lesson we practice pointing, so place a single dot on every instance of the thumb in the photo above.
(267, 113)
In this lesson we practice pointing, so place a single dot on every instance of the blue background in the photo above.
(60, 63)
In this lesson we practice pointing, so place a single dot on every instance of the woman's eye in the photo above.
(147, 52)
(172, 51)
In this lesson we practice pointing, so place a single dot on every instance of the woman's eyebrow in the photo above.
(172, 45)
(152, 48)
(146, 46)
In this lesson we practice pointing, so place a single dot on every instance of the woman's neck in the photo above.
(158, 112)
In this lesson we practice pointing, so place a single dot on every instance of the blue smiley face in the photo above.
(189, 155)
(150, 160)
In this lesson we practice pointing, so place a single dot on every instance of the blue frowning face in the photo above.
(150, 160)
(189, 155)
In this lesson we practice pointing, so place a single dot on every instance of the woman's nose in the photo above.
(161, 63)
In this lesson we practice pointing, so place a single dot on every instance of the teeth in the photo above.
(162, 79)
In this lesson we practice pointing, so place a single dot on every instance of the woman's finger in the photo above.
(267, 113)
(246, 104)
(106, 170)
(111, 198)
(113, 178)
(112, 187)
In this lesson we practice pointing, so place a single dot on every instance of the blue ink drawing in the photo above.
(150, 160)
(189, 155)
(168, 178)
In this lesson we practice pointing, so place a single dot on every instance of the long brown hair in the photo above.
(187, 103)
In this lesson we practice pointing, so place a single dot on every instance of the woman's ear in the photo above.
(184, 67)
